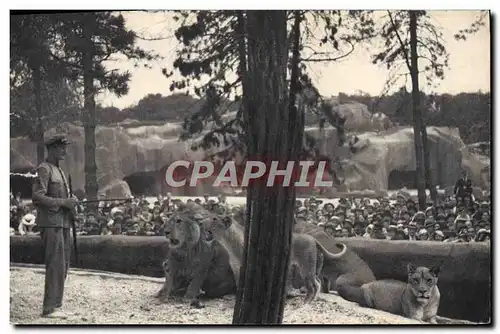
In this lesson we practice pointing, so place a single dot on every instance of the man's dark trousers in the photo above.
(56, 242)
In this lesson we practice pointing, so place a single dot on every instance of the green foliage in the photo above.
(339, 32)
(31, 37)
(59, 102)
(474, 27)
(55, 44)
(392, 48)
(30, 40)
(210, 57)
(110, 40)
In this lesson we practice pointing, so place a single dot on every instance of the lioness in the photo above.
(417, 299)
(307, 256)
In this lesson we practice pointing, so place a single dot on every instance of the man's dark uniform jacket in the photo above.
(463, 188)
(50, 188)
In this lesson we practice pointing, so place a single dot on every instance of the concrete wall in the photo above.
(133, 255)
(465, 279)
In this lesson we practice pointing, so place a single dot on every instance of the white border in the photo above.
(93, 4)
(262, 4)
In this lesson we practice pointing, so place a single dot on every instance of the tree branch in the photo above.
(403, 47)
(328, 59)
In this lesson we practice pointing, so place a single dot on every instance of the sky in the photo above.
(469, 61)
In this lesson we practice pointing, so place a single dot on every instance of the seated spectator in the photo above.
(391, 232)
(386, 218)
(320, 218)
(429, 206)
(145, 217)
(338, 231)
(441, 220)
(134, 230)
(419, 217)
(484, 224)
(379, 231)
(335, 220)
(329, 209)
(302, 213)
(429, 224)
(440, 211)
(368, 231)
(91, 225)
(15, 218)
(358, 228)
(485, 218)
(329, 228)
(127, 224)
(348, 225)
(146, 230)
(438, 236)
(399, 235)
(115, 224)
(412, 231)
(482, 235)
(27, 224)
(460, 221)
(471, 233)
(423, 234)
(462, 236)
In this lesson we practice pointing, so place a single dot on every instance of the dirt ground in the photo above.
(99, 298)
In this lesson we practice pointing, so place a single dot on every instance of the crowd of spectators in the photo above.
(131, 216)
(447, 220)
(458, 218)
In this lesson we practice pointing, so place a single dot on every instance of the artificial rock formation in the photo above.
(359, 118)
(377, 154)
(143, 153)
(122, 153)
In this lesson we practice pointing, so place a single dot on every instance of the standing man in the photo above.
(463, 187)
(54, 210)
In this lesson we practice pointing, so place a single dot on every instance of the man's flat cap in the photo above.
(57, 140)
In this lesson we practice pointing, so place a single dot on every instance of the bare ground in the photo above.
(100, 298)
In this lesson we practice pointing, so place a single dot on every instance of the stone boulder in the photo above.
(378, 154)
(359, 118)
(116, 189)
(357, 115)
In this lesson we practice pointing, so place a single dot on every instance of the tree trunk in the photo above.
(39, 131)
(243, 74)
(417, 116)
(274, 131)
(89, 123)
(427, 162)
